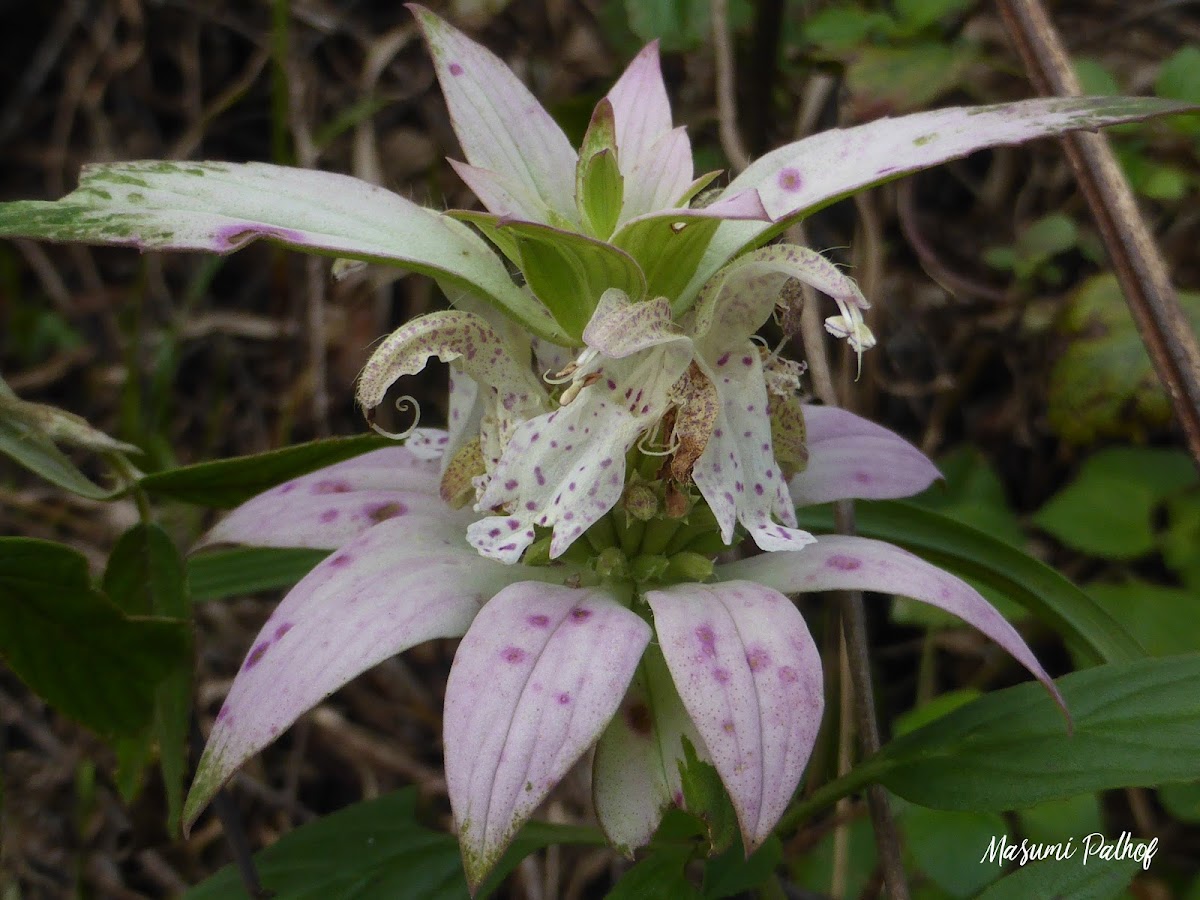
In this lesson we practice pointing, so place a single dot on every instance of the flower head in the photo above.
(614, 426)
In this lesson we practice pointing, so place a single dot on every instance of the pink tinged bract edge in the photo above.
(749, 674)
(655, 159)
(535, 681)
(850, 457)
(501, 126)
(326, 508)
(844, 562)
(800, 177)
(401, 583)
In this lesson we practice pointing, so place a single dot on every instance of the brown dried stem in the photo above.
(1139, 265)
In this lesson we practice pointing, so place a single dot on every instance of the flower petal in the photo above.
(534, 683)
(850, 457)
(221, 207)
(844, 562)
(737, 473)
(749, 674)
(566, 469)
(403, 582)
(635, 773)
(499, 195)
(481, 351)
(327, 508)
(500, 124)
(655, 159)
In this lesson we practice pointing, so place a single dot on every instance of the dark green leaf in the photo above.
(923, 13)
(367, 851)
(1103, 383)
(1055, 820)
(905, 79)
(228, 482)
(1065, 879)
(946, 846)
(660, 874)
(73, 647)
(1158, 616)
(678, 24)
(216, 574)
(1182, 801)
(145, 576)
(377, 849)
(970, 553)
(1108, 509)
(732, 873)
(1135, 724)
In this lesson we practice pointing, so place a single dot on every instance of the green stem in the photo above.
(831, 792)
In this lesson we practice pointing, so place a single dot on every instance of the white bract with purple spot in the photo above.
(614, 426)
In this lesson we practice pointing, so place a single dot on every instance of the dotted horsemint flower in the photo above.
(614, 426)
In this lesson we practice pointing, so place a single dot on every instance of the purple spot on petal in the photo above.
(330, 486)
(862, 477)
(757, 658)
(341, 560)
(708, 640)
(328, 516)
(789, 179)
(282, 630)
(564, 698)
(455, 69)
(539, 621)
(788, 675)
(512, 654)
(728, 727)
(721, 675)
(381, 512)
(579, 614)
(843, 563)
(723, 358)
(256, 654)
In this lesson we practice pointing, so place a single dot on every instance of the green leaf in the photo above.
(1182, 801)
(841, 28)
(1156, 616)
(369, 850)
(1095, 80)
(707, 799)
(1055, 820)
(1179, 77)
(946, 846)
(732, 873)
(1107, 510)
(145, 576)
(972, 493)
(660, 874)
(228, 482)
(923, 13)
(567, 271)
(1066, 879)
(677, 24)
(973, 554)
(904, 79)
(1103, 384)
(216, 574)
(32, 448)
(1041, 241)
(668, 249)
(73, 647)
(1182, 537)
(378, 849)
(934, 709)
(1135, 724)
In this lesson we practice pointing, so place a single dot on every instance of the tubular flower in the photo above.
(614, 426)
